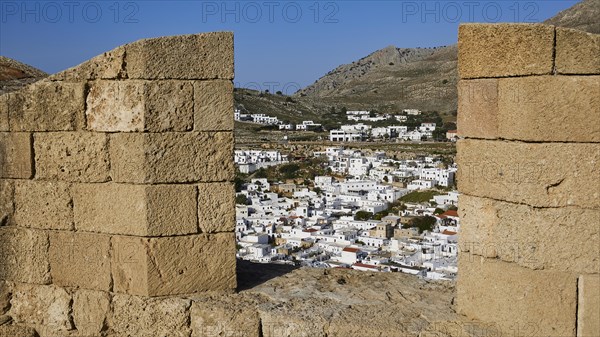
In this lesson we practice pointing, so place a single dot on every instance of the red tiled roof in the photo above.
(450, 213)
(364, 265)
(351, 250)
(447, 232)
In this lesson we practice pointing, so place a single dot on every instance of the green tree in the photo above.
(241, 199)
(261, 173)
(289, 171)
(423, 223)
(363, 215)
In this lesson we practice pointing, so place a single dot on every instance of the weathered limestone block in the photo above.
(138, 105)
(43, 204)
(498, 50)
(139, 316)
(537, 174)
(142, 210)
(225, 316)
(24, 255)
(109, 65)
(16, 155)
(294, 319)
(478, 108)
(550, 108)
(44, 306)
(80, 260)
(194, 57)
(213, 105)
(7, 205)
(577, 52)
(216, 207)
(5, 296)
(518, 300)
(72, 156)
(17, 331)
(368, 320)
(90, 311)
(47, 106)
(4, 126)
(538, 238)
(588, 308)
(172, 157)
(174, 265)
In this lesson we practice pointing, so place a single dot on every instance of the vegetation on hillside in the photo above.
(419, 196)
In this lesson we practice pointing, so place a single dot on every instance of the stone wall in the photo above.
(116, 179)
(529, 113)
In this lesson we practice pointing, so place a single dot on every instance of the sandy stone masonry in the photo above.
(116, 176)
(529, 176)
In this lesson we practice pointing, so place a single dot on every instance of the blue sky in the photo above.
(277, 44)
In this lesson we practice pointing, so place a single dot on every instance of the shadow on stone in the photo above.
(250, 275)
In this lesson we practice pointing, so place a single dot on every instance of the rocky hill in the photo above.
(395, 78)
(584, 16)
(392, 79)
(14, 75)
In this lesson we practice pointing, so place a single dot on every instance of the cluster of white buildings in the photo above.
(288, 223)
(255, 118)
(419, 173)
(360, 132)
(304, 126)
(249, 161)
(363, 115)
(269, 120)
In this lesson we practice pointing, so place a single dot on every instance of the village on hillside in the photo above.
(365, 212)
(356, 130)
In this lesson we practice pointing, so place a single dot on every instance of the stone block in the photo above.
(109, 65)
(139, 316)
(537, 174)
(517, 300)
(47, 106)
(174, 265)
(17, 331)
(577, 52)
(80, 260)
(193, 57)
(478, 108)
(296, 319)
(213, 105)
(72, 156)
(142, 210)
(4, 126)
(7, 205)
(138, 105)
(224, 316)
(500, 50)
(588, 308)
(24, 255)
(549, 108)
(16, 160)
(43, 204)
(537, 238)
(216, 207)
(5, 296)
(172, 157)
(90, 311)
(40, 305)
